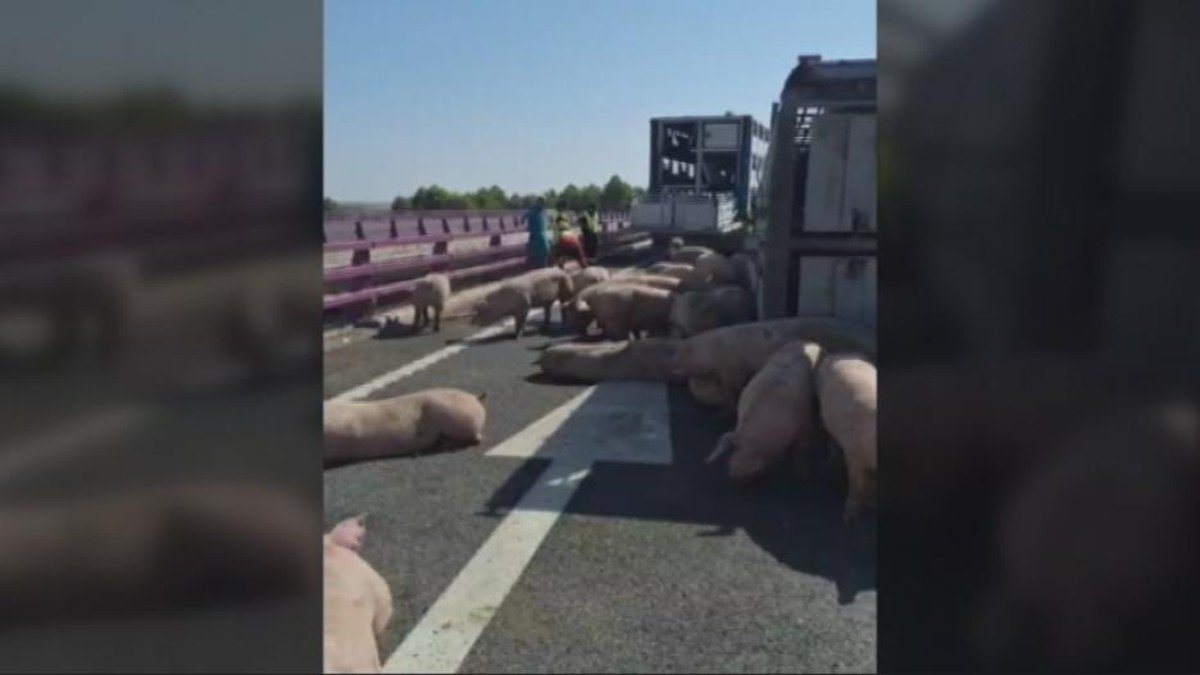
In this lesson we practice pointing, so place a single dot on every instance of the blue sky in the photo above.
(534, 94)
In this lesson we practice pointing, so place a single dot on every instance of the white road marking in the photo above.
(387, 379)
(68, 440)
(617, 421)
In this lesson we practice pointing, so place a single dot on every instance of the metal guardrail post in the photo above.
(466, 223)
(421, 226)
(445, 226)
(358, 231)
(393, 232)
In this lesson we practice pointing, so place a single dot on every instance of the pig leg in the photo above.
(546, 316)
(437, 319)
(855, 491)
(519, 319)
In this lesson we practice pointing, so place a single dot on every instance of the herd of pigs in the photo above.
(789, 382)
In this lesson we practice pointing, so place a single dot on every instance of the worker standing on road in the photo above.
(538, 247)
(589, 225)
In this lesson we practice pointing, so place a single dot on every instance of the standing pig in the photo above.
(733, 354)
(402, 425)
(358, 603)
(624, 309)
(846, 388)
(540, 288)
(694, 312)
(588, 276)
(775, 414)
(430, 292)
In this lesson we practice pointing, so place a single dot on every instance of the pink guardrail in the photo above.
(368, 234)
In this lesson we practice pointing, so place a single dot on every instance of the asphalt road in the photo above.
(650, 568)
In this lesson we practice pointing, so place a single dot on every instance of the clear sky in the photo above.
(535, 94)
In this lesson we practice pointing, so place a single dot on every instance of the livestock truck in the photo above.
(815, 235)
(704, 178)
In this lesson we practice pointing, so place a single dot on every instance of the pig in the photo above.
(847, 392)
(705, 389)
(733, 354)
(624, 309)
(694, 312)
(540, 288)
(588, 276)
(579, 317)
(646, 360)
(403, 425)
(670, 269)
(745, 272)
(775, 414)
(154, 546)
(357, 602)
(431, 292)
(713, 267)
(655, 280)
(689, 254)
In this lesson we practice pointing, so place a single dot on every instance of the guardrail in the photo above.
(370, 281)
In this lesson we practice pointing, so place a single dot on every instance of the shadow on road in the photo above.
(797, 523)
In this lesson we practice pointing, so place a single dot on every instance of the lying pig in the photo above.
(540, 288)
(157, 546)
(431, 292)
(403, 425)
(358, 602)
(670, 269)
(624, 309)
(689, 254)
(647, 359)
(846, 388)
(733, 354)
(694, 312)
(715, 268)
(775, 414)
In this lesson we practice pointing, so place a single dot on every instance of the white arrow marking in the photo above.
(615, 421)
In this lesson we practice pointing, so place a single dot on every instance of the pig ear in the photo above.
(350, 532)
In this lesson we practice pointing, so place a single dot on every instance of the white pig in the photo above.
(540, 288)
(357, 602)
(775, 414)
(647, 359)
(624, 309)
(846, 388)
(431, 292)
(403, 425)
(733, 354)
(694, 312)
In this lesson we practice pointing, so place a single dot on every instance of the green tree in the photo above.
(401, 203)
(330, 205)
(617, 195)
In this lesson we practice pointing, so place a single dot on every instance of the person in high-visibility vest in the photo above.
(589, 224)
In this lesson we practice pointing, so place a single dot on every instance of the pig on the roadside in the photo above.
(733, 354)
(646, 360)
(540, 288)
(775, 414)
(430, 292)
(689, 254)
(846, 388)
(714, 268)
(624, 309)
(357, 602)
(409, 424)
(694, 312)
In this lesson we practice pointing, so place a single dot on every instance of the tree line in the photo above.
(615, 195)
